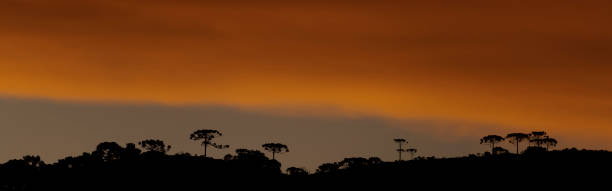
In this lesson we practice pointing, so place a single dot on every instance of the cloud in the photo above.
(530, 65)
(97, 19)
(58, 129)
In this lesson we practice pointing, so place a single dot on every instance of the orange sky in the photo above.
(529, 65)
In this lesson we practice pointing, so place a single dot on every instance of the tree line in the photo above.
(206, 137)
(536, 139)
(147, 163)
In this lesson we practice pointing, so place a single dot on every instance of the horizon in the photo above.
(436, 144)
(330, 79)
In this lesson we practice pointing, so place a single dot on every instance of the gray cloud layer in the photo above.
(57, 129)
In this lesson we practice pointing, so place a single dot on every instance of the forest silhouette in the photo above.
(147, 165)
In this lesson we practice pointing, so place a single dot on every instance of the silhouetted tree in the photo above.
(400, 150)
(294, 171)
(500, 150)
(549, 142)
(491, 140)
(374, 160)
(252, 155)
(356, 162)
(411, 152)
(228, 157)
(108, 151)
(536, 138)
(33, 161)
(516, 138)
(531, 150)
(151, 145)
(26, 166)
(130, 152)
(254, 161)
(275, 148)
(207, 135)
(328, 168)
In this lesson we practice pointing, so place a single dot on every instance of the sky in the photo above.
(438, 71)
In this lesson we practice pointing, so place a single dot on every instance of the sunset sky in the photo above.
(322, 76)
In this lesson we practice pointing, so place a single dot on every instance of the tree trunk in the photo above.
(400, 151)
(273, 156)
(517, 144)
(205, 146)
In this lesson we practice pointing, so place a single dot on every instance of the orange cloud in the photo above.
(535, 65)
